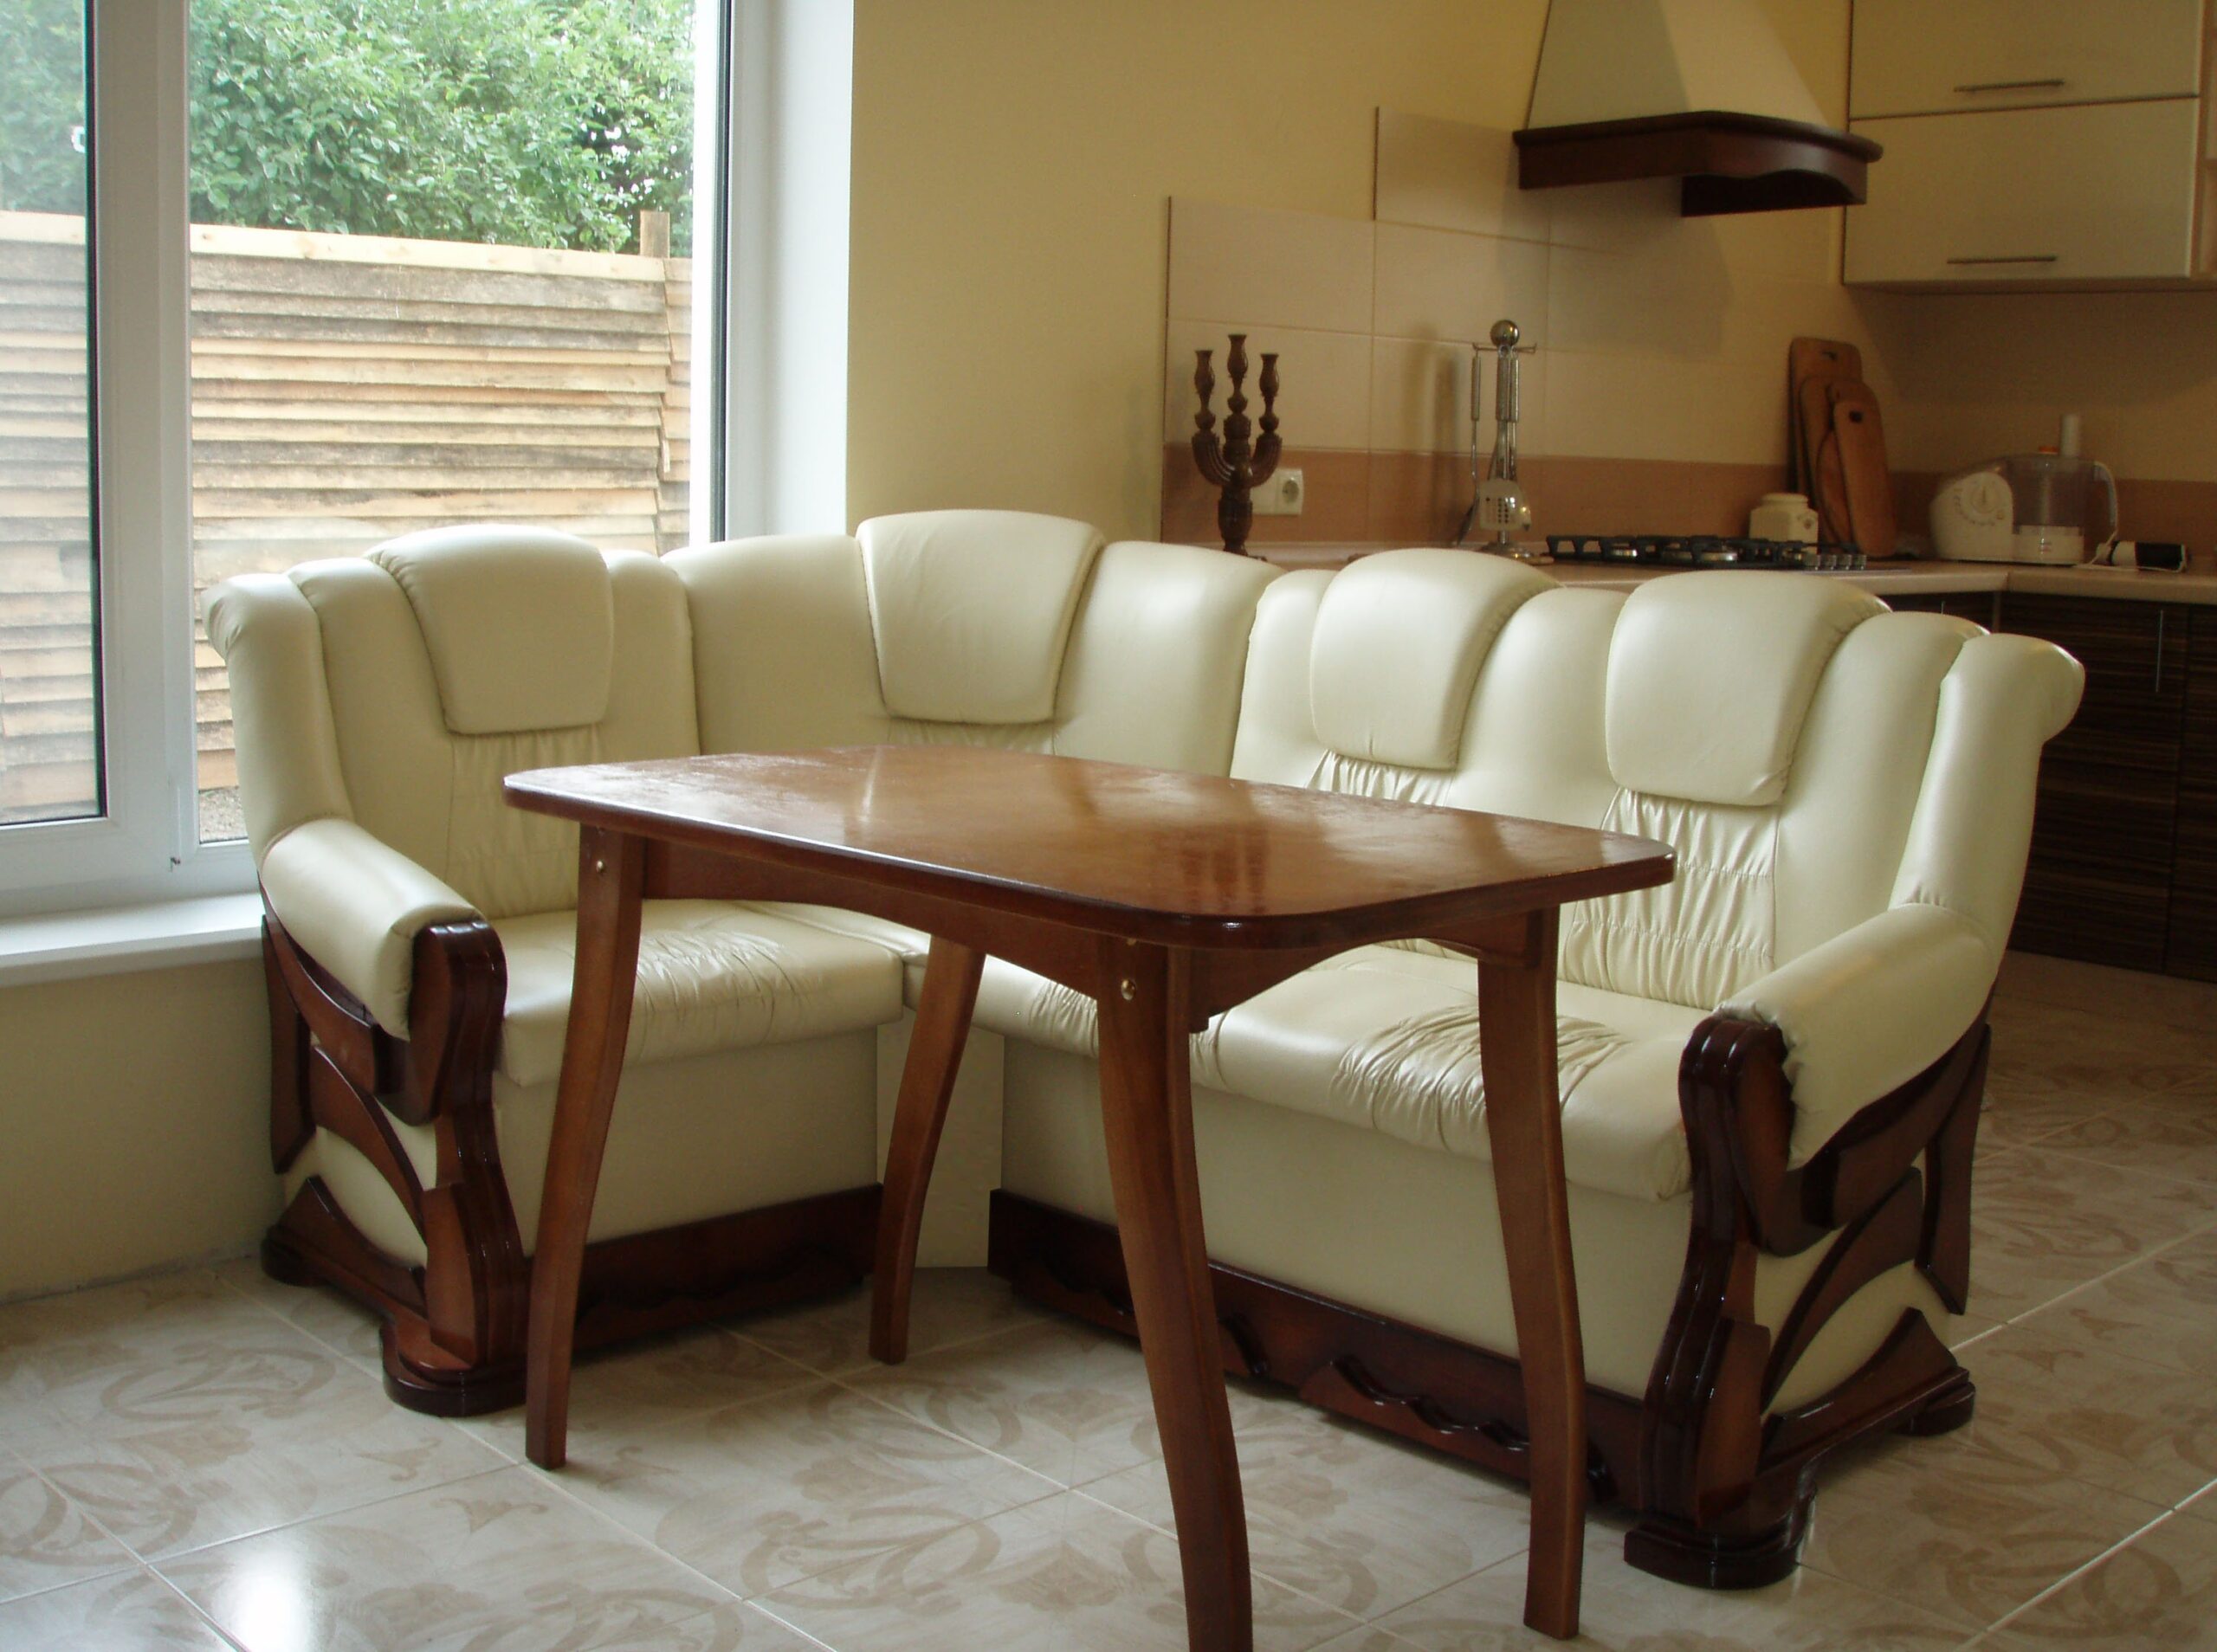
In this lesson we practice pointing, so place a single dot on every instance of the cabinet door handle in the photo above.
(2013, 86)
(2014, 258)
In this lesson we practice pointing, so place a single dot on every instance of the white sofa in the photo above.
(1771, 1068)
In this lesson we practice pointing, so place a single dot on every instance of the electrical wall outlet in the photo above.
(1283, 495)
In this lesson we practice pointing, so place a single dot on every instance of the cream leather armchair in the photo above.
(419, 932)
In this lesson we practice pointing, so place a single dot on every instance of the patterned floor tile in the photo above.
(950, 1306)
(1062, 1398)
(499, 1563)
(2058, 1406)
(1065, 1575)
(177, 1413)
(1362, 1522)
(336, 1320)
(2043, 1223)
(619, 1393)
(45, 1539)
(2158, 1592)
(2162, 1309)
(1626, 1610)
(1966, 1538)
(131, 1611)
(761, 1495)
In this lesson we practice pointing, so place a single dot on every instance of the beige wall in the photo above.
(1977, 375)
(1013, 163)
(138, 1123)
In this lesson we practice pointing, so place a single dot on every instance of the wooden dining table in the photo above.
(1168, 898)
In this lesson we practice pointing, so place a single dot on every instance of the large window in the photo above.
(282, 281)
(441, 273)
(49, 675)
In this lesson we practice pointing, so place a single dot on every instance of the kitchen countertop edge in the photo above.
(2198, 586)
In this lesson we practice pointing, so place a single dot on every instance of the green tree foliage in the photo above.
(43, 105)
(536, 123)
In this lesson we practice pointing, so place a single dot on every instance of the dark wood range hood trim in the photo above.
(1731, 162)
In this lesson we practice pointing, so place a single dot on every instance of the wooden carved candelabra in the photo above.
(1230, 464)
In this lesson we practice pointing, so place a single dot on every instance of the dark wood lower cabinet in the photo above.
(2124, 864)
(2192, 948)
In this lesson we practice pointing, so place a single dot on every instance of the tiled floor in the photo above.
(204, 1460)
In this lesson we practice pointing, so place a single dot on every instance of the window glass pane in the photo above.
(441, 273)
(49, 698)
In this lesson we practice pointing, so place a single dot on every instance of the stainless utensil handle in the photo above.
(2013, 86)
(2013, 258)
(1505, 387)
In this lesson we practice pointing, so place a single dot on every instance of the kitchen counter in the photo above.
(2197, 586)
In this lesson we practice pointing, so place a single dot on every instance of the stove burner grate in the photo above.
(1704, 550)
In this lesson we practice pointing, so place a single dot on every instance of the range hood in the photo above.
(1701, 90)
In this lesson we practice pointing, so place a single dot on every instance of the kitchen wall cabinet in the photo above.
(1915, 57)
(2031, 144)
(2124, 864)
(2097, 193)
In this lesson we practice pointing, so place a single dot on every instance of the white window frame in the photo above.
(146, 845)
(776, 414)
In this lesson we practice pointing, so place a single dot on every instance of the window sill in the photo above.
(116, 941)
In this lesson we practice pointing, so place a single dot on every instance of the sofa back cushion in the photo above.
(972, 611)
(424, 734)
(789, 654)
(519, 624)
(1397, 643)
(1777, 731)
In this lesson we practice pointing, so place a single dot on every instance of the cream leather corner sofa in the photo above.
(1771, 1068)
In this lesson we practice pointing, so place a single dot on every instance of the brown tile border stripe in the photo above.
(1419, 498)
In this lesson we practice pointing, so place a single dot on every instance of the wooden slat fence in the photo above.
(345, 389)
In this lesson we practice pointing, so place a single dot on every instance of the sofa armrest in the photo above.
(1869, 1011)
(356, 905)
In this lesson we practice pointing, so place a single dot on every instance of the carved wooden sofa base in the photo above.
(454, 1327)
(1723, 1489)
(1723, 1486)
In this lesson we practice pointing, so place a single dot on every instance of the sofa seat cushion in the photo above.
(1386, 1038)
(713, 976)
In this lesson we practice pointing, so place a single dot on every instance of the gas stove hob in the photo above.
(1704, 550)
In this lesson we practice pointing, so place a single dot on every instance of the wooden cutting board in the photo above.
(1808, 359)
(1859, 437)
(1824, 476)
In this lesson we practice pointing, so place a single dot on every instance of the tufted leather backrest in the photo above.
(791, 645)
(971, 610)
(399, 689)
(1809, 754)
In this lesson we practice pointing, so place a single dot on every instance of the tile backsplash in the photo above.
(1659, 338)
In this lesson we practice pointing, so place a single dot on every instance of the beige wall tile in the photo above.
(1453, 175)
(1639, 407)
(1324, 395)
(1441, 284)
(1289, 269)
(1420, 398)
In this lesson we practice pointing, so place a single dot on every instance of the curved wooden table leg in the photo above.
(1146, 1108)
(1516, 1053)
(926, 1085)
(610, 866)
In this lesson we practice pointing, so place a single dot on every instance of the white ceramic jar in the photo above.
(1784, 516)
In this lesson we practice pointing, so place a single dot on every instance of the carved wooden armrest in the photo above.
(332, 1067)
(1738, 1110)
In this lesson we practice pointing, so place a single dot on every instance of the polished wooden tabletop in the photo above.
(1174, 858)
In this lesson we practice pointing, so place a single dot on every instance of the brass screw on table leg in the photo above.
(1125, 987)
(600, 867)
